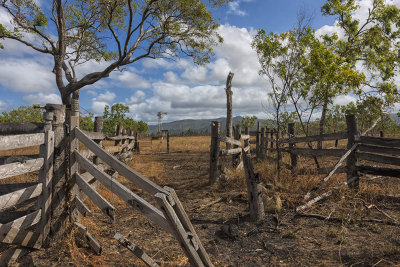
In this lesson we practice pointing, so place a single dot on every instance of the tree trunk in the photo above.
(229, 94)
(322, 122)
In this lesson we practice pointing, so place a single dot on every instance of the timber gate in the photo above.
(56, 197)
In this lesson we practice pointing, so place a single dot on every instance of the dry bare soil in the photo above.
(350, 237)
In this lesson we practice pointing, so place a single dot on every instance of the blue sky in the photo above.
(182, 89)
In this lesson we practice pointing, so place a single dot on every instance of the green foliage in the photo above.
(118, 32)
(373, 42)
(23, 114)
(86, 122)
(116, 115)
(248, 121)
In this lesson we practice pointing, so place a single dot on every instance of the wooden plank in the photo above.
(13, 128)
(80, 206)
(86, 153)
(138, 252)
(8, 188)
(124, 170)
(124, 193)
(14, 232)
(184, 218)
(94, 135)
(379, 171)
(179, 231)
(97, 199)
(378, 158)
(228, 140)
(21, 141)
(244, 137)
(335, 168)
(18, 168)
(11, 255)
(312, 138)
(113, 149)
(46, 179)
(11, 199)
(89, 238)
(121, 137)
(233, 151)
(380, 141)
(379, 149)
(318, 152)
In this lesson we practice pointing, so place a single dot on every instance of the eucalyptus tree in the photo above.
(117, 33)
(372, 41)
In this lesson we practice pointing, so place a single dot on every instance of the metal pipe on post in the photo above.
(214, 151)
(352, 134)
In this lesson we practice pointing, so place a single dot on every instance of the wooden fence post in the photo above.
(247, 141)
(98, 127)
(45, 177)
(118, 132)
(236, 158)
(168, 142)
(72, 188)
(293, 157)
(272, 138)
(214, 150)
(136, 146)
(352, 133)
(58, 204)
(258, 139)
(253, 189)
(381, 134)
(263, 143)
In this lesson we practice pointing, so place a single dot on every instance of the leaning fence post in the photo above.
(46, 177)
(293, 157)
(253, 189)
(214, 151)
(352, 133)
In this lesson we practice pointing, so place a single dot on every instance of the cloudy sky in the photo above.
(180, 88)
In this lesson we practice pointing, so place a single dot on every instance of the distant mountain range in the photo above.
(180, 126)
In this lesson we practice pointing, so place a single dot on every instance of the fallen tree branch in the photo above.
(338, 164)
(324, 195)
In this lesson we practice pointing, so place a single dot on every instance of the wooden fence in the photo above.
(67, 177)
(25, 207)
(240, 158)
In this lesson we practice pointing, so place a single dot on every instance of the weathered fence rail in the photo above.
(29, 223)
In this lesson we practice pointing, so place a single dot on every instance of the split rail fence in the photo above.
(67, 177)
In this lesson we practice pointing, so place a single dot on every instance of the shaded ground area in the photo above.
(280, 239)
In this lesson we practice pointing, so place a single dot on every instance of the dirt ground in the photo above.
(356, 231)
